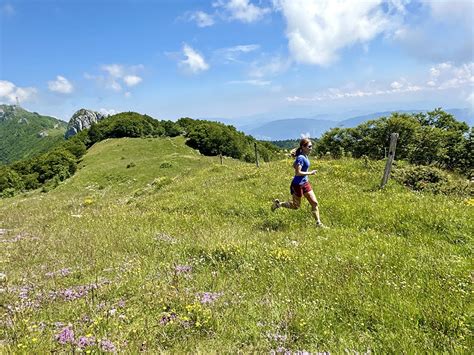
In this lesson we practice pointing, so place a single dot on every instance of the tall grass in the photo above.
(151, 246)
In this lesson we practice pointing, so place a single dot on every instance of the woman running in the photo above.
(300, 185)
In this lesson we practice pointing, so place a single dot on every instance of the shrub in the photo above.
(10, 180)
(213, 138)
(433, 137)
(432, 179)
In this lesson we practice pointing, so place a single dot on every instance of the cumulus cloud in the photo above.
(242, 10)
(396, 85)
(201, 18)
(117, 75)
(60, 85)
(132, 80)
(10, 93)
(443, 76)
(109, 112)
(318, 30)
(449, 76)
(194, 61)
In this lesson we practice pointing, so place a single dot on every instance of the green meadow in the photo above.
(153, 247)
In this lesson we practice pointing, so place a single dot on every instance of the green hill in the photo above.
(25, 134)
(153, 247)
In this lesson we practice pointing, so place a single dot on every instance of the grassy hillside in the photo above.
(151, 246)
(25, 134)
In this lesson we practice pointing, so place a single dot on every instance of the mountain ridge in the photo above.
(291, 128)
(24, 134)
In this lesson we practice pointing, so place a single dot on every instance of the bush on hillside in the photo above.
(58, 164)
(75, 146)
(125, 124)
(10, 181)
(214, 138)
(172, 129)
(424, 138)
(432, 179)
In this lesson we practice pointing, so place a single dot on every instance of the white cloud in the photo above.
(443, 76)
(10, 93)
(269, 67)
(60, 85)
(396, 85)
(242, 10)
(254, 82)
(194, 62)
(318, 30)
(117, 75)
(132, 80)
(231, 54)
(202, 19)
(244, 48)
(106, 112)
(448, 76)
(114, 70)
(113, 85)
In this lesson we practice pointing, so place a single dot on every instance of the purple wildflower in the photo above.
(24, 292)
(121, 303)
(209, 297)
(76, 292)
(84, 342)
(165, 319)
(107, 346)
(65, 336)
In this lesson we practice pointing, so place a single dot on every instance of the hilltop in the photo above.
(154, 247)
(24, 134)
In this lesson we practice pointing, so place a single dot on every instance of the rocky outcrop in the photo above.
(81, 120)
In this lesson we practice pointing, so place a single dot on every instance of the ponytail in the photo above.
(295, 152)
(298, 151)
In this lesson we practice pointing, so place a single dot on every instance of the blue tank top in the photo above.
(304, 162)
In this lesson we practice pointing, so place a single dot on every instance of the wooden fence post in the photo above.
(391, 156)
(256, 154)
(220, 156)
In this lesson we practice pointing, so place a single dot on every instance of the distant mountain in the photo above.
(24, 134)
(291, 128)
(294, 127)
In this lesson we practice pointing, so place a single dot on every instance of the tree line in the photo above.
(48, 169)
(433, 138)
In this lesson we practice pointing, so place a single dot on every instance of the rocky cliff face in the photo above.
(81, 120)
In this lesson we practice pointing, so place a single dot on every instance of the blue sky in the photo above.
(242, 59)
